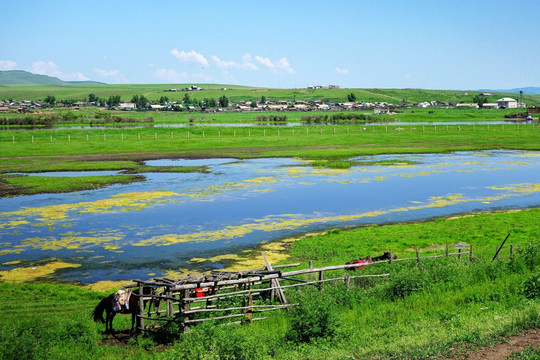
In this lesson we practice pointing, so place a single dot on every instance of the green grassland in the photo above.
(153, 92)
(434, 309)
(125, 148)
(438, 308)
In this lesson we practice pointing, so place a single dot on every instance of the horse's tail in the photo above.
(98, 311)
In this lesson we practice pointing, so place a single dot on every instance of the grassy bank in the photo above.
(439, 307)
(125, 148)
(154, 92)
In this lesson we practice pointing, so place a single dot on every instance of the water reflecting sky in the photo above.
(131, 231)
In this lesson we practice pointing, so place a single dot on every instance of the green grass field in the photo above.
(430, 311)
(153, 92)
(438, 308)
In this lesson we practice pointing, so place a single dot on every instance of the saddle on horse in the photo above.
(121, 300)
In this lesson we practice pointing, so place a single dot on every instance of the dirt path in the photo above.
(503, 349)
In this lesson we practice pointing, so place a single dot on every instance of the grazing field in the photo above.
(153, 92)
(438, 308)
(435, 309)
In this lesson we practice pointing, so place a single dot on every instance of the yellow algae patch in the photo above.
(50, 215)
(530, 154)
(197, 260)
(330, 172)
(107, 285)
(519, 188)
(31, 273)
(306, 183)
(174, 274)
(11, 263)
(13, 224)
(128, 201)
(69, 242)
(421, 173)
(264, 190)
(197, 193)
(275, 252)
(444, 165)
(474, 163)
(339, 181)
(262, 180)
(270, 223)
(10, 251)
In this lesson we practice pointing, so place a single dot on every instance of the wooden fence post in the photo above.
(470, 253)
(321, 278)
(249, 310)
(417, 256)
(185, 308)
(141, 306)
(310, 264)
(459, 254)
(446, 250)
(347, 281)
(511, 252)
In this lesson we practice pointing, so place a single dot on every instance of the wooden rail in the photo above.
(175, 300)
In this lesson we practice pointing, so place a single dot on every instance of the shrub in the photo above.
(315, 316)
(403, 283)
(531, 287)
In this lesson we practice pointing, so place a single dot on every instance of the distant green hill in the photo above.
(14, 77)
(25, 77)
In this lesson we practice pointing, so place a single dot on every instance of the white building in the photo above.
(507, 103)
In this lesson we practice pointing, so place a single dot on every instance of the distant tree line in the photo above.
(118, 120)
(336, 119)
(30, 121)
(271, 118)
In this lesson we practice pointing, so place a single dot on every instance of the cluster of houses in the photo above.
(282, 105)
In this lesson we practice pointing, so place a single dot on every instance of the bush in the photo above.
(403, 283)
(531, 287)
(315, 316)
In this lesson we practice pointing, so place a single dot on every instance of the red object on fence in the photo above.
(361, 261)
(199, 292)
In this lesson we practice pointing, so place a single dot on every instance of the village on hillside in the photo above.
(165, 104)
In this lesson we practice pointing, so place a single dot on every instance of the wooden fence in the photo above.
(195, 299)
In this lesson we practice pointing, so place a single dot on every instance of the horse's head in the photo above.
(387, 255)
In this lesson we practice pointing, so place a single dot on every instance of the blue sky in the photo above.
(282, 44)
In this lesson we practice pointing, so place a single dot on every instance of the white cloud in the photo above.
(170, 75)
(45, 68)
(78, 76)
(191, 56)
(51, 69)
(224, 64)
(342, 71)
(112, 75)
(7, 65)
(246, 60)
(106, 73)
(281, 64)
(244, 64)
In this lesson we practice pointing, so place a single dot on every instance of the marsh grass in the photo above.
(28, 185)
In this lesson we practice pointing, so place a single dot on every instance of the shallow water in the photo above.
(174, 222)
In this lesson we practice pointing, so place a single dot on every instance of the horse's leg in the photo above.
(113, 314)
(107, 319)
(133, 316)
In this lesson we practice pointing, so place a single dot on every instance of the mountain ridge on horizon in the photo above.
(22, 77)
(14, 77)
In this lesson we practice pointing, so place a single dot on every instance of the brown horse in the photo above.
(368, 260)
(106, 305)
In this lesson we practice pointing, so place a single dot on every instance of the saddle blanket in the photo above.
(121, 300)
